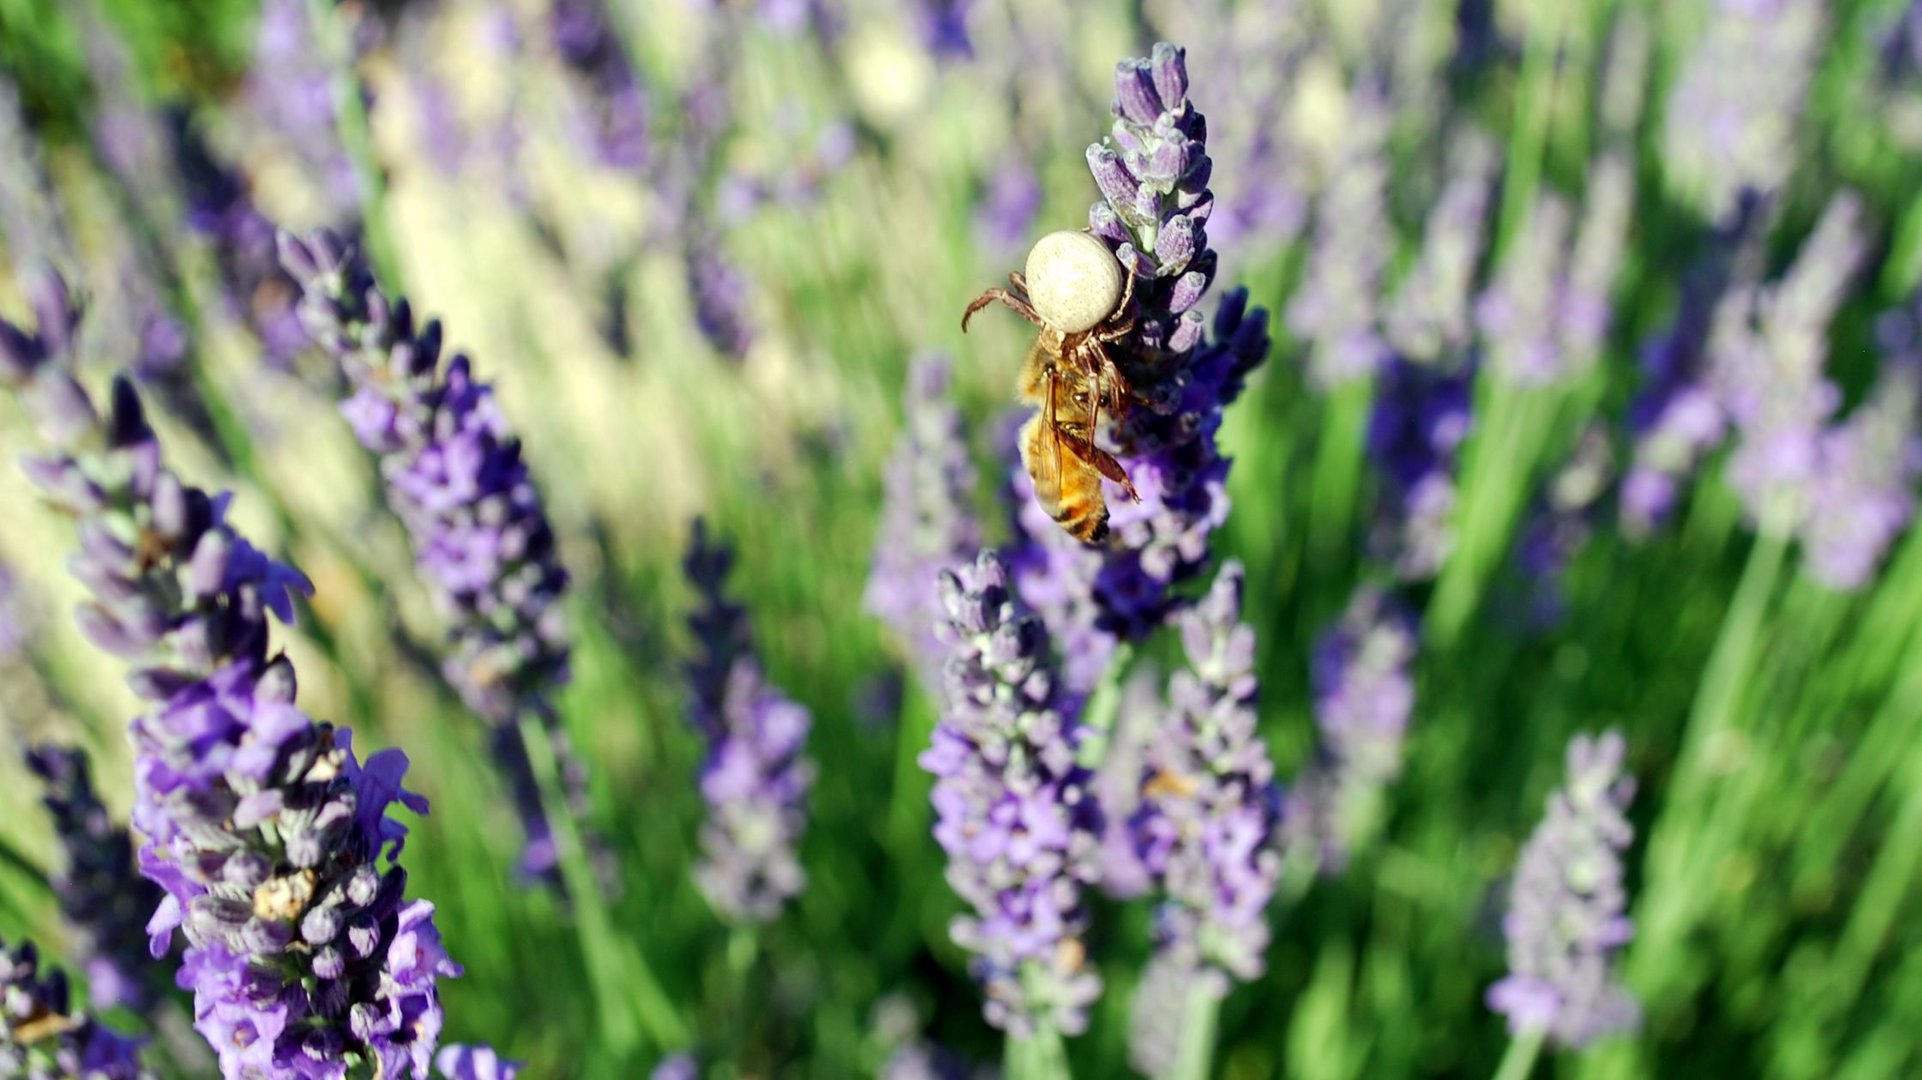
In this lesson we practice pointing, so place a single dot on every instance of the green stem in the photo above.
(1098, 716)
(1523, 1049)
(1039, 1056)
(625, 988)
(1677, 848)
(1533, 108)
(1199, 1012)
(1338, 462)
(357, 139)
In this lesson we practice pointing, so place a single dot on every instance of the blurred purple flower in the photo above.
(1601, 239)
(1863, 494)
(1337, 308)
(754, 778)
(456, 479)
(1210, 808)
(290, 95)
(720, 292)
(616, 126)
(256, 290)
(102, 895)
(1561, 523)
(1730, 123)
(1004, 220)
(1567, 907)
(43, 1037)
(1676, 418)
(926, 523)
(943, 27)
(1517, 315)
(1364, 696)
(1428, 319)
(1420, 419)
(458, 1062)
(1013, 810)
(266, 830)
(677, 1067)
(1766, 364)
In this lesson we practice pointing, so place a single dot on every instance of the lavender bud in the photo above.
(1567, 907)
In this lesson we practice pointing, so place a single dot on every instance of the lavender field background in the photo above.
(1514, 667)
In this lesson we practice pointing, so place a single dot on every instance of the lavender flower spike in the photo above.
(754, 779)
(1428, 321)
(102, 895)
(456, 479)
(1210, 807)
(1013, 810)
(1517, 315)
(1153, 175)
(1364, 697)
(270, 836)
(459, 1062)
(925, 524)
(1336, 309)
(1863, 493)
(1566, 910)
(41, 1036)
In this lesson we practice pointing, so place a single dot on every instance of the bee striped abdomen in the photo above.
(1086, 519)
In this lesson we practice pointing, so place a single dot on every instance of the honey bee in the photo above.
(1074, 289)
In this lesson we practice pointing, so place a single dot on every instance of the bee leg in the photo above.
(1104, 462)
(1117, 384)
(1018, 303)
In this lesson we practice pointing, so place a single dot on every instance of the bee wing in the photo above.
(1035, 374)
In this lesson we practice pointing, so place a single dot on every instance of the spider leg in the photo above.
(1013, 300)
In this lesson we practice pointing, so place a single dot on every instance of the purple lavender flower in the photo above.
(1364, 695)
(1863, 491)
(17, 619)
(457, 1062)
(1766, 356)
(1566, 915)
(289, 99)
(677, 1067)
(1428, 319)
(754, 778)
(1562, 522)
(943, 28)
(1013, 809)
(1729, 126)
(1336, 309)
(456, 478)
(616, 124)
(1517, 315)
(1005, 218)
(1263, 180)
(1210, 808)
(102, 895)
(1677, 417)
(266, 830)
(925, 523)
(256, 291)
(30, 220)
(1600, 240)
(720, 292)
(1153, 175)
(42, 1036)
(1420, 419)
(1140, 714)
